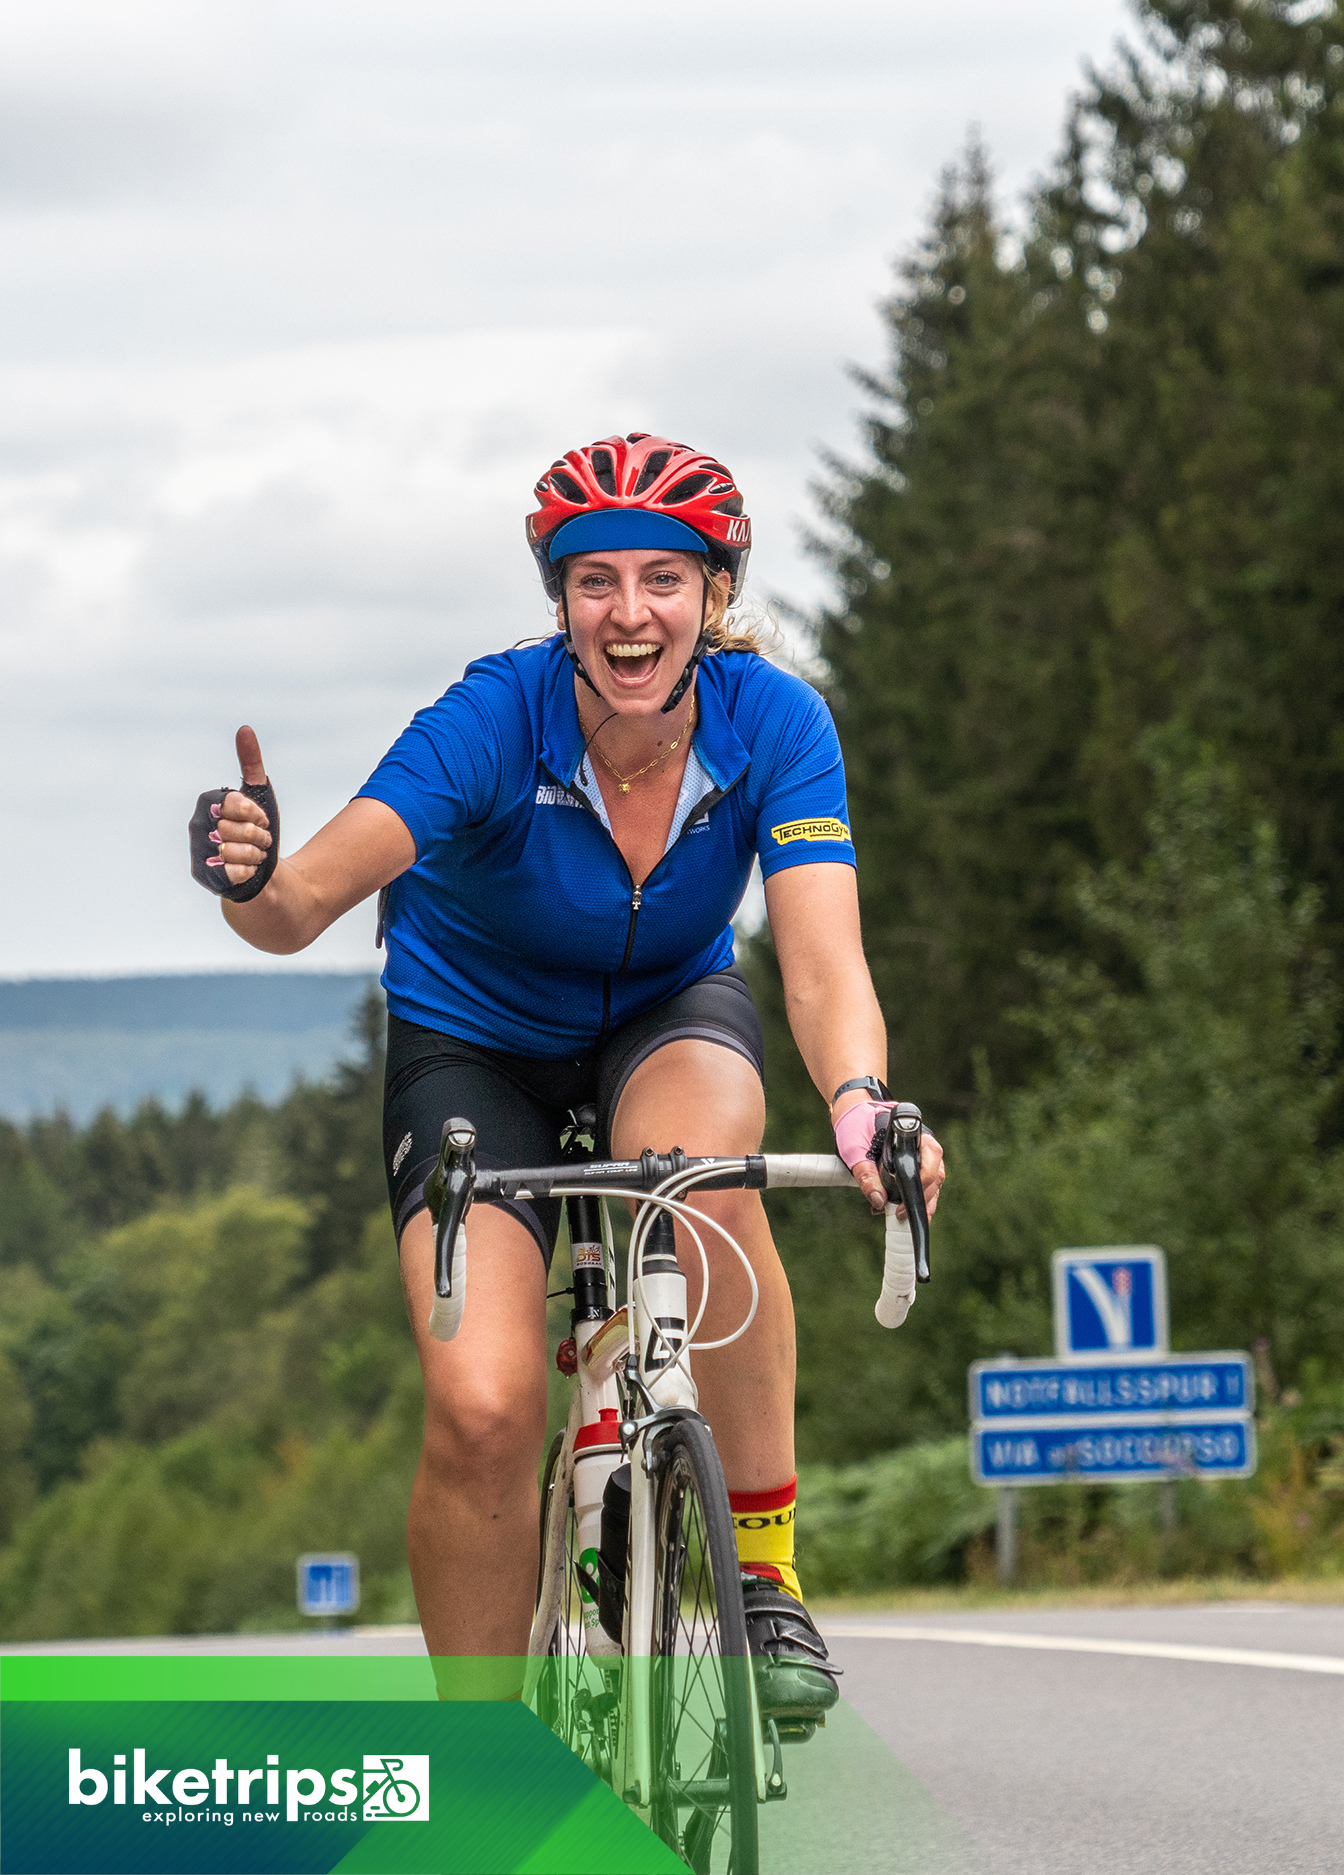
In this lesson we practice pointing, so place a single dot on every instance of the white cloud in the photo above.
(301, 298)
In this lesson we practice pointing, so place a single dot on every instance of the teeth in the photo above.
(632, 651)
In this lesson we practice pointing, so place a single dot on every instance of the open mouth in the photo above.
(633, 662)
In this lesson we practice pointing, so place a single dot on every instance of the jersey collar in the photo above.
(722, 754)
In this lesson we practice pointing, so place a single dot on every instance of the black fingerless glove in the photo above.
(203, 823)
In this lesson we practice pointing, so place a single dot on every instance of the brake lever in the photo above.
(449, 1190)
(896, 1148)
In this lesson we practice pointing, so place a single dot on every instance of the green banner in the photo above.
(233, 1765)
(163, 1765)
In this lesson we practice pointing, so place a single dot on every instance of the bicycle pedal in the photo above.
(797, 1732)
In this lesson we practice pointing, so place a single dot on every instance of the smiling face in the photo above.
(635, 617)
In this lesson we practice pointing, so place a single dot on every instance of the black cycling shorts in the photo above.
(519, 1106)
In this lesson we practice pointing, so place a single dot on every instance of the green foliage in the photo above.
(1181, 1103)
(329, 1138)
(904, 1519)
(201, 1377)
(1086, 626)
(1102, 490)
(252, 1417)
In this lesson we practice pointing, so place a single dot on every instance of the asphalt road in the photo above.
(1057, 1762)
(975, 1744)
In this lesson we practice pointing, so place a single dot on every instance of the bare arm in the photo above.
(829, 997)
(364, 848)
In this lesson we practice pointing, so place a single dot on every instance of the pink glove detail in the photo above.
(855, 1128)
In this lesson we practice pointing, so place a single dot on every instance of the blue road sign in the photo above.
(1175, 1383)
(1113, 1451)
(1109, 1302)
(328, 1584)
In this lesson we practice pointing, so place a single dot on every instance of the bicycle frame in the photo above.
(648, 1345)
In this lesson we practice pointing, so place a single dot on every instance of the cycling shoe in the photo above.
(795, 1681)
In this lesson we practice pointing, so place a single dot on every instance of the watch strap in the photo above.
(875, 1087)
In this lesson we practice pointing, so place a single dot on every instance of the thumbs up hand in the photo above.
(235, 832)
(242, 835)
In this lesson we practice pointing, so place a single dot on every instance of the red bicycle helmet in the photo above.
(629, 476)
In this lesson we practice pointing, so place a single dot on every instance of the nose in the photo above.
(630, 606)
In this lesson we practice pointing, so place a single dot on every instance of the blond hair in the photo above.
(730, 627)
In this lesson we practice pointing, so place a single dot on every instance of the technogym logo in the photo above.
(392, 1787)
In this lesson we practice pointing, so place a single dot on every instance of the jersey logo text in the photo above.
(555, 797)
(809, 830)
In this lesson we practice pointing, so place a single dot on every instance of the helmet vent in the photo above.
(652, 469)
(637, 436)
(565, 485)
(604, 471)
(733, 505)
(686, 489)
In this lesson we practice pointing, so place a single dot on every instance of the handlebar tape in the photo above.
(898, 1273)
(805, 1168)
(202, 825)
(445, 1318)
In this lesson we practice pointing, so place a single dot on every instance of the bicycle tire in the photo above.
(703, 1800)
(574, 1694)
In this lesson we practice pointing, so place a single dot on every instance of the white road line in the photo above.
(1072, 1644)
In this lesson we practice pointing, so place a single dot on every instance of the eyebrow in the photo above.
(665, 563)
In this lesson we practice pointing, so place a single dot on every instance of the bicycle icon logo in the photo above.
(396, 1788)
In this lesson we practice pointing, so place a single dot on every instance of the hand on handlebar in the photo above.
(855, 1128)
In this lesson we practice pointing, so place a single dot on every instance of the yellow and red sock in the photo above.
(763, 1525)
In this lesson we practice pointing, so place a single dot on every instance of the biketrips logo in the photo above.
(392, 1787)
(396, 1790)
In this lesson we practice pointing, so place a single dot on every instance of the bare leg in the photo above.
(707, 1099)
(472, 1529)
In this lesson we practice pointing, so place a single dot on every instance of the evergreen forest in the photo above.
(1085, 649)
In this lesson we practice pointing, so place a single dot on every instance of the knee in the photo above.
(477, 1434)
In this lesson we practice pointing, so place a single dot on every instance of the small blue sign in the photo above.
(328, 1584)
(1115, 1451)
(1110, 1302)
(1026, 1390)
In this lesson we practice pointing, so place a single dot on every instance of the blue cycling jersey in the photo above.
(519, 926)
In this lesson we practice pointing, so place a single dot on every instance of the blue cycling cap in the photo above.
(614, 529)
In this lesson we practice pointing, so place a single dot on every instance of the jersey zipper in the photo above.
(636, 900)
(701, 808)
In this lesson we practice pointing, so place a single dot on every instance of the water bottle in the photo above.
(597, 1453)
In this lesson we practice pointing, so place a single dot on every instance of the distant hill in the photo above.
(82, 1043)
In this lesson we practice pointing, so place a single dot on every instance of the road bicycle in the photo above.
(638, 1657)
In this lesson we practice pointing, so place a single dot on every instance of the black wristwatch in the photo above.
(875, 1087)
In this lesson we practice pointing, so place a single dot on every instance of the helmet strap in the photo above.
(679, 689)
(574, 657)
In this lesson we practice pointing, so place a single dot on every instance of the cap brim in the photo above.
(617, 530)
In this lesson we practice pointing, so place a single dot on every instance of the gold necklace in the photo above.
(671, 749)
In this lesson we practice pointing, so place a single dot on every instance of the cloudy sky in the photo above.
(297, 298)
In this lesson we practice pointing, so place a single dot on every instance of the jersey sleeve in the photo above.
(804, 817)
(445, 769)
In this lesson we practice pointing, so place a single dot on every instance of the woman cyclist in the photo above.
(564, 838)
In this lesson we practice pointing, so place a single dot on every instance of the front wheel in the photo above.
(703, 1801)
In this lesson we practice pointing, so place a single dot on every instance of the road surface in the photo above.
(1222, 1750)
(1197, 1740)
